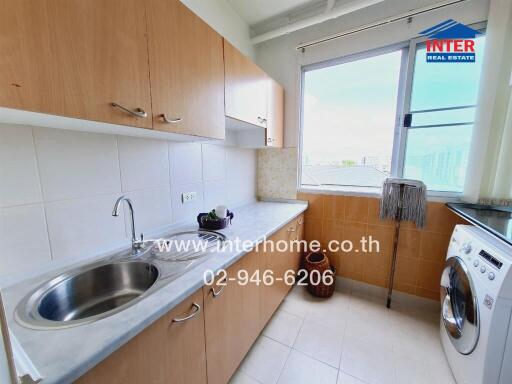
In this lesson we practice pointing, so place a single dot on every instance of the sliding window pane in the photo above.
(349, 114)
(438, 156)
(441, 85)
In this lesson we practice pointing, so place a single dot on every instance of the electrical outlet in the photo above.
(187, 197)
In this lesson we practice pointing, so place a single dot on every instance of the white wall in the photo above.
(58, 189)
(280, 59)
(225, 20)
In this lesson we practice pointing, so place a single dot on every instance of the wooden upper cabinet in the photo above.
(75, 58)
(246, 88)
(275, 115)
(187, 71)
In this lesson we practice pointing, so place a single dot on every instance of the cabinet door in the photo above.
(187, 71)
(276, 262)
(250, 301)
(75, 58)
(275, 115)
(246, 88)
(185, 342)
(167, 352)
(223, 306)
(297, 234)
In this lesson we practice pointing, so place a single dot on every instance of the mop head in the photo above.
(412, 202)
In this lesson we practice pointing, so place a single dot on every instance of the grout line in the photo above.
(43, 203)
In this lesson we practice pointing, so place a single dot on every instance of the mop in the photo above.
(402, 199)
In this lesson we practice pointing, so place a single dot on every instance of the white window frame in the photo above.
(400, 132)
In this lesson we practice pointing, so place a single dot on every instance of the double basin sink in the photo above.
(97, 290)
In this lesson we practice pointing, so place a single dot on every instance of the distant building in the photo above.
(359, 175)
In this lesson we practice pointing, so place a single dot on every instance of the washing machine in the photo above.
(476, 307)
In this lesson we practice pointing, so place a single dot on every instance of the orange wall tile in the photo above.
(421, 253)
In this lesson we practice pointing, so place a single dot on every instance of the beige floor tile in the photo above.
(301, 369)
(409, 370)
(332, 311)
(242, 378)
(283, 327)
(368, 361)
(321, 342)
(343, 378)
(265, 360)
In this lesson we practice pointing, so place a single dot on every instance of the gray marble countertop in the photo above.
(62, 355)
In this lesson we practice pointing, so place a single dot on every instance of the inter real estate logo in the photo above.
(450, 42)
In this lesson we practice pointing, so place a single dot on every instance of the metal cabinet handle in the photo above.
(197, 309)
(291, 229)
(139, 112)
(300, 221)
(217, 293)
(260, 119)
(269, 140)
(170, 121)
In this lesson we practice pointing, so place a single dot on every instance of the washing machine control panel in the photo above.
(491, 259)
(485, 260)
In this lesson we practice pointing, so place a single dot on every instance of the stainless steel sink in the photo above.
(87, 294)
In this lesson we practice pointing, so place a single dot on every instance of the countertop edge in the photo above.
(453, 207)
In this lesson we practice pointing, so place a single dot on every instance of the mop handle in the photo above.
(395, 246)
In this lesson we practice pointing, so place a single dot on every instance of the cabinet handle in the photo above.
(290, 229)
(197, 309)
(217, 293)
(170, 121)
(269, 140)
(139, 112)
(260, 119)
(300, 221)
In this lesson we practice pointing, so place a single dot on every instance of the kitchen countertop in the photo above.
(495, 219)
(63, 355)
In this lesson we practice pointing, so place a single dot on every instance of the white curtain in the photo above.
(489, 173)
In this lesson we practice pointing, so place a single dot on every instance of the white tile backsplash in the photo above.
(186, 163)
(240, 176)
(144, 163)
(58, 189)
(186, 211)
(152, 209)
(215, 193)
(80, 227)
(214, 162)
(76, 164)
(19, 179)
(24, 238)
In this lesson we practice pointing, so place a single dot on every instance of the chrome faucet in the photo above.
(136, 243)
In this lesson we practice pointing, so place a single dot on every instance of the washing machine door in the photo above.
(459, 306)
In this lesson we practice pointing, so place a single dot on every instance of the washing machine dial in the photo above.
(491, 275)
(466, 248)
(482, 269)
(475, 263)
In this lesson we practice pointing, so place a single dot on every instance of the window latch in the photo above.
(407, 120)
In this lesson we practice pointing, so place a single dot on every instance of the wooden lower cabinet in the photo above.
(164, 353)
(208, 347)
(231, 319)
(279, 263)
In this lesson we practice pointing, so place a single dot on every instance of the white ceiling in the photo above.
(256, 11)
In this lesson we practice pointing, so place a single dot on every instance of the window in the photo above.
(442, 110)
(353, 110)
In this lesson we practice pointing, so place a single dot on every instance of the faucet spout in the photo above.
(136, 243)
